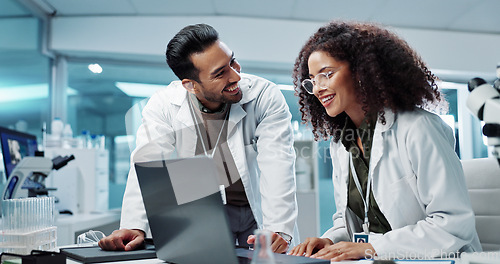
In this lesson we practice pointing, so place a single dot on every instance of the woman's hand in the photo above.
(345, 250)
(307, 247)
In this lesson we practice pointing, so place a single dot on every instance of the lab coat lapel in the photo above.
(237, 112)
(186, 132)
(378, 138)
(342, 175)
(184, 115)
(235, 116)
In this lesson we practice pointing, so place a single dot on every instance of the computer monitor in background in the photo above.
(15, 146)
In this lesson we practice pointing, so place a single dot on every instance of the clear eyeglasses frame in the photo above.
(321, 79)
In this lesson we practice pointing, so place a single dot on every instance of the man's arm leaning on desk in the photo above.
(276, 161)
(154, 140)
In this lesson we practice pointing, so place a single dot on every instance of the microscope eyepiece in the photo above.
(475, 82)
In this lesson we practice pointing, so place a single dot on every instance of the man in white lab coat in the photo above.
(241, 120)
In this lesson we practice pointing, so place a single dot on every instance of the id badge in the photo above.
(360, 238)
(365, 238)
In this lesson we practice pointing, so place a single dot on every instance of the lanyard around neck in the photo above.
(366, 200)
(198, 129)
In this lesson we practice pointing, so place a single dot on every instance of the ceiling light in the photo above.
(28, 92)
(95, 68)
(138, 89)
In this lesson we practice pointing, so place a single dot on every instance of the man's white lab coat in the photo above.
(260, 139)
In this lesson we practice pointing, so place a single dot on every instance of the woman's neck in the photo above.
(357, 115)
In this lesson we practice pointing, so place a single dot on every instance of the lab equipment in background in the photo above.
(67, 131)
(93, 141)
(85, 140)
(484, 102)
(303, 175)
(61, 136)
(83, 185)
(28, 224)
(100, 142)
(56, 128)
(67, 140)
(15, 146)
(28, 177)
(54, 138)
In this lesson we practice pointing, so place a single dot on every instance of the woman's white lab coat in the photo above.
(260, 139)
(418, 184)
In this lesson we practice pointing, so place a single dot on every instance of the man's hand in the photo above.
(278, 243)
(310, 245)
(123, 239)
(345, 250)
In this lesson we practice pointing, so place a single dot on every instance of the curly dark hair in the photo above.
(386, 71)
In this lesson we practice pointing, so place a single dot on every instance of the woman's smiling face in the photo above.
(338, 94)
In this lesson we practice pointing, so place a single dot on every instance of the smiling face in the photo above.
(219, 74)
(338, 95)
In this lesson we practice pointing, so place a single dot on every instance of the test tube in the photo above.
(32, 223)
(5, 215)
(25, 213)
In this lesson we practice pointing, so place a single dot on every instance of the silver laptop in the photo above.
(186, 215)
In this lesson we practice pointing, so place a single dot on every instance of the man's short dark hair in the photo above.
(191, 39)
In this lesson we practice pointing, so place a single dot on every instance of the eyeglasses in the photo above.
(320, 80)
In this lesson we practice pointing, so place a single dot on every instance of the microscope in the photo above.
(484, 102)
(28, 177)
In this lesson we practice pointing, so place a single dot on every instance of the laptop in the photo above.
(186, 214)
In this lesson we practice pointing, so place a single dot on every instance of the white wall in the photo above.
(253, 39)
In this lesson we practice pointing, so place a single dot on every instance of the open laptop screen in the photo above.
(187, 217)
(185, 211)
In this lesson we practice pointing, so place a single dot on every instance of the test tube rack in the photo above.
(28, 224)
(23, 243)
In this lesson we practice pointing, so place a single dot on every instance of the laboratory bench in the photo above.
(489, 257)
(158, 261)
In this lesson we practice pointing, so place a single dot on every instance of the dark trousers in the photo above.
(242, 223)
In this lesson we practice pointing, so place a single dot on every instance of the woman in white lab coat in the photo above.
(367, 89)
